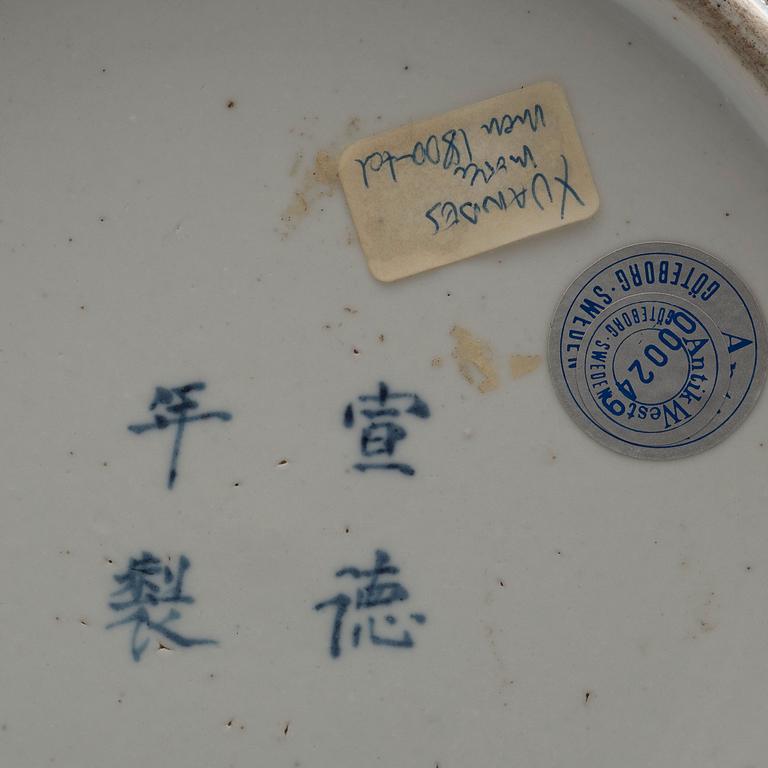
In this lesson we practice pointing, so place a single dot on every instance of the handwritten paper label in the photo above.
(431, 193)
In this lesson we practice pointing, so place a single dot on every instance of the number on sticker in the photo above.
(654, 354)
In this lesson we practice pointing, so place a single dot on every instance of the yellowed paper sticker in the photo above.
(431, 193)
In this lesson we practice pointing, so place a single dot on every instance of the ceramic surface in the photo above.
(169, 215)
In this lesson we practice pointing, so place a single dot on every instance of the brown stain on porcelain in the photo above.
(319, 181)
(738, 24)
(475, 356)
(326, 170)
(522, 365)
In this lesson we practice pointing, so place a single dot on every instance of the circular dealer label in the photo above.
(652, 370)
(658, 351)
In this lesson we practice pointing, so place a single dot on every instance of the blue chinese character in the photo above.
(177, 404)
(380, 436)
(145, 585)
(374, 594)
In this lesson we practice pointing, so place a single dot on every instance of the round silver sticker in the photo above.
(658, 351)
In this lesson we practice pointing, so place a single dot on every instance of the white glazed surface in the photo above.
(641, 584)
